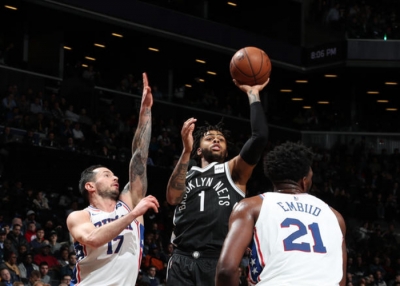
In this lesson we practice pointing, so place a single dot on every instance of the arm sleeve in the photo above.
(254, 147)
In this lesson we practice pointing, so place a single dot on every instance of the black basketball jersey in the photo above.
(201, 219)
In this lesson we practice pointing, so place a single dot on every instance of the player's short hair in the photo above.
(87, 176)
(201, 130)
(288, 161)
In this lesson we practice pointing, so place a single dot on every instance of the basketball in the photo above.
(250, 66)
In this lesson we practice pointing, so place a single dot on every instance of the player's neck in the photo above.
(205, 163)
(104, 204)
(288, 188)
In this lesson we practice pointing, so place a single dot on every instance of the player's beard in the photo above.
(211, 156)
(109, 194)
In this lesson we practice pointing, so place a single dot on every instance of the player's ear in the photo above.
(198, 151)
(89, 186)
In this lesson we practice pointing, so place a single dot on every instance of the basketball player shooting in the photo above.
(108, 234)
(205, 195)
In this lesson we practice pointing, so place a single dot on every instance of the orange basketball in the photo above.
(250, 66)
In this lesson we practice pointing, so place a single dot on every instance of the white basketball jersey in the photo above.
(116, 262)
(297, 241)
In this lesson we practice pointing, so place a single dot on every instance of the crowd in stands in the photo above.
(353, 178)
(359, 19)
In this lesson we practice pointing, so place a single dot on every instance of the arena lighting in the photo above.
(301, 81)
(285, 90)
(297, 99)
(391, 109)
(382, 101)
(372, 92)
(67, 48)
(99, 45)
(188, 85)
(90, 58)
(200, 61)
(11, 7)
(153, 49)
(117, 35)
(391, 83)
(307, 107)
(232, 4)
(201, 80)
(323, 102)
(85, 65)
(330, 75)
(211, 73)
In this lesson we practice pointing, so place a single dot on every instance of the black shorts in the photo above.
(186, 270)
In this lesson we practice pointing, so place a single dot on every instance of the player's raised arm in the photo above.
(242, 165)
(176, 185)
(140, 149)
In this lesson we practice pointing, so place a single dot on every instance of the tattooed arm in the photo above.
(177, 182)
(136, 189)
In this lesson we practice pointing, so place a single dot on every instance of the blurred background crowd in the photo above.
(61, 112)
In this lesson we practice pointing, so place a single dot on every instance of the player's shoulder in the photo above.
(249, 203)
(78, 215)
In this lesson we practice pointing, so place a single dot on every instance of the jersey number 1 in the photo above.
(201, 195)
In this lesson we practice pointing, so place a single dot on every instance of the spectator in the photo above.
(64, 254)
(66, 280)
(16, 237)
(55, 245)
(151, 278)
(11, 264)
(3, 235)
(30, 217)
(45, 256)
(71, 115)
(57, 112)
(30, 138)
(36, 106)
(51, 141)
(84, 118)
(71, 146)
(37, 242)
(44, 272)
(69, 268)
(66, 129)
(41, 202)
(30, 233)
(78, 135)
(154, 259)
(9, 102)
(34, 277)
(22, 250)
(6, 279)
(27, 266)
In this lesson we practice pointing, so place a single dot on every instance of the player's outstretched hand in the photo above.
(147, 96)
(187, 133)
(246, 88)
(149, 202)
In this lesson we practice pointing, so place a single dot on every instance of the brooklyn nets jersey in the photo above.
(114, 263)
(297, 241)
(201, 219)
